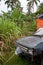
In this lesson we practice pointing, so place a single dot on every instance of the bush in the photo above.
(9, 32)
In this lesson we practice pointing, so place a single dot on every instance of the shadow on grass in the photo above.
(16, 60)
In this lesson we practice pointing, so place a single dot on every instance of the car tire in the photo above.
(42, 62)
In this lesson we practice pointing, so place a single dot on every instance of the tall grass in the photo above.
(9, 32)
(11, 28)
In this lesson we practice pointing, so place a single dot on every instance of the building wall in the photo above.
(39, 23)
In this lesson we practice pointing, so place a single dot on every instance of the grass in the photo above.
(16, 60)
(12, 59)
(9, 32)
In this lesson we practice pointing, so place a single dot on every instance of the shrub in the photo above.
(9, 32)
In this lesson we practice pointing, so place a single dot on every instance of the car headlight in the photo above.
(31, 51)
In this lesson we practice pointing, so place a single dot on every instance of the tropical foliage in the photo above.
(13, 25)
(13, 3)
(40, 9)
(31, 4)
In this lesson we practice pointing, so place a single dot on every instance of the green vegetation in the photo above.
(13, 25)
(12, 59)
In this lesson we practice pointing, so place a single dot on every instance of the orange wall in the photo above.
(39, 23)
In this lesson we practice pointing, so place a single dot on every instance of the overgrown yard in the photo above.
(12, 59)
(15, 24)
(13, 27)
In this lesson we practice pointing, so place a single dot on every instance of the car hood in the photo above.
(30, 42)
